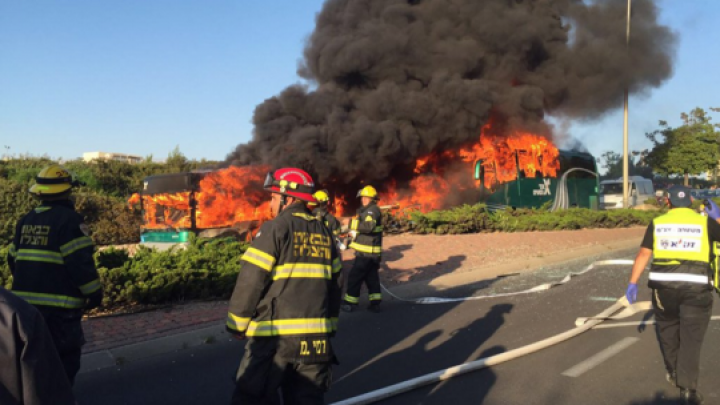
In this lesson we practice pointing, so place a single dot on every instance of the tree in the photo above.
(613, 165)
(690, 149)
(176, 162)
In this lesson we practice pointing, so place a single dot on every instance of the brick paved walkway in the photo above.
(407, 258)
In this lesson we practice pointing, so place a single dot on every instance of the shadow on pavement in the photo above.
(412, 354)
(659, 399)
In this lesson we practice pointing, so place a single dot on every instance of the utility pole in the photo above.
(625, 121)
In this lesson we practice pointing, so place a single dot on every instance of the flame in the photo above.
(435, 186)
(229, 197)
(534, 154)
(223, 199)
(232, 195)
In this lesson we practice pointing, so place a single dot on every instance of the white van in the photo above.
(640, 189)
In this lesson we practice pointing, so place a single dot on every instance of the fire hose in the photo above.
(620, 309)
(562, 200)
(541, 287)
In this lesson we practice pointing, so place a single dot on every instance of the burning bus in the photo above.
(519, 170)
(573, 182)
(522, 170)
(227, 202)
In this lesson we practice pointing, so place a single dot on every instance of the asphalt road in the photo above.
(619, 365)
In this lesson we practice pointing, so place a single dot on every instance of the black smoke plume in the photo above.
(394, 80)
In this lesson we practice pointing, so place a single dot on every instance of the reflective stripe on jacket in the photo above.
(288, 283)
(51, 258)
(369, 228)
(681, 250)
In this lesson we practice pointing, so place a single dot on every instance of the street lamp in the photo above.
(625, 120)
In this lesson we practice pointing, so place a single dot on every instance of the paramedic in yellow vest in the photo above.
(679, 243)
(367, 231)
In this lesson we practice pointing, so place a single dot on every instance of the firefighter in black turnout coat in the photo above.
(51, 260)
(367, 231)
(286, 300)
(32, 373)
(322, 214)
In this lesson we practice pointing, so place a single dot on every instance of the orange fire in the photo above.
(435, 186)
(228, 197)
(232, 195)
(223, 199)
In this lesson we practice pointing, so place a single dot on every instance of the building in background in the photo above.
(121, 157)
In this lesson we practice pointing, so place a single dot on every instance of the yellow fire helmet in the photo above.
(52, 180)
(367, 191)
(322, 196)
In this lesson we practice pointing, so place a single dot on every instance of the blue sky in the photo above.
(142, 77)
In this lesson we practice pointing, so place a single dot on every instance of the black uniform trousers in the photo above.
(66, 330)
(682, 318)
(264, 376)
(364, 270)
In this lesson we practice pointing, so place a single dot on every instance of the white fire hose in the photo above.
(582, 325)
(541, 287)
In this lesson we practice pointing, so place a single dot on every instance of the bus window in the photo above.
(486, 176)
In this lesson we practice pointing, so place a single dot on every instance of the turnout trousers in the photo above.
(263, 377)
(364, 270)
(682, 318)
(65, 326)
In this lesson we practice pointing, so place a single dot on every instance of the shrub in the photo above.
(205, 269)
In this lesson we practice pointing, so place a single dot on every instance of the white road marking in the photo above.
(594, 361)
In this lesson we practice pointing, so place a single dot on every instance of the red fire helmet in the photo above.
(291, 182)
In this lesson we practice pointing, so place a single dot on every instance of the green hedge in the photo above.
(477, 218)
(206, 269)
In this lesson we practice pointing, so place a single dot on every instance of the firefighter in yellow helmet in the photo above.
(51, 260)
(367, 229)
(322, 214)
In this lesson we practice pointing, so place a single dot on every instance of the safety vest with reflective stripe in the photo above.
(369, 228)
(681, 250)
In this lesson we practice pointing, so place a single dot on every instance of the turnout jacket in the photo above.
(681, 241)
(32, 373)
(369, 228)
(324, 216)
(288, 283)
(51, 258)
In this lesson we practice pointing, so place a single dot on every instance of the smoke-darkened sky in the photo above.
(394, 80)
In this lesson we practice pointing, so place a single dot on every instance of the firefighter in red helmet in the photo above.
(286, 300)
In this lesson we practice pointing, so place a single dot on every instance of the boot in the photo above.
(374, 307)
(691, 397)
(347, 307)
(671, 377)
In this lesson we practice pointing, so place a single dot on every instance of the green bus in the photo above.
(575, 185)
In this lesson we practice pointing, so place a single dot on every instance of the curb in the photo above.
(467, 279)
(123, 354)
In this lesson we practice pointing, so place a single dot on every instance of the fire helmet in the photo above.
(322, 196)
(291, 182)
(52, 181)
(368, 191)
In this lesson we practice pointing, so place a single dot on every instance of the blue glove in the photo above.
(711, 209)
(631, 293)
